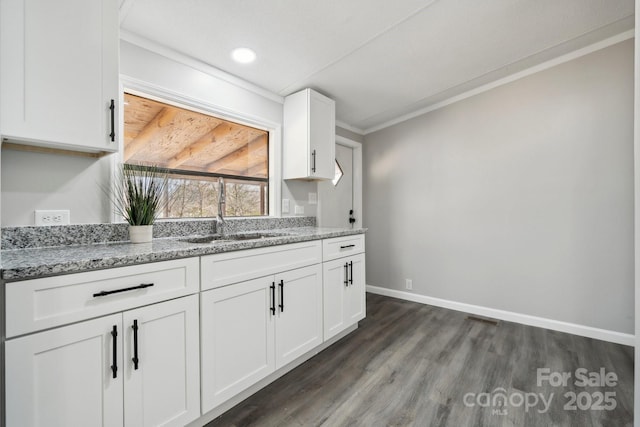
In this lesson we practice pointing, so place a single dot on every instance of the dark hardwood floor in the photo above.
(416, 365)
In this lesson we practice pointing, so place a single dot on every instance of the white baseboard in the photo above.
(525, 319)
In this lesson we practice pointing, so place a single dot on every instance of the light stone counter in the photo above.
(29, 263)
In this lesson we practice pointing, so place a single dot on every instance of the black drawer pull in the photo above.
(112, 107)
(114, 335)
(347, 246)
(351, 267)
(346, 274)
(117, 291)
(313, 167)
(273, 298)
(135, 358)
(281, 305)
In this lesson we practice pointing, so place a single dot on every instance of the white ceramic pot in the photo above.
(141, 233)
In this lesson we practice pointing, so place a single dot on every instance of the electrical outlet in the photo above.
(61, 217)
(285, 205)
(299, 210)
(313, 198)
(408, 284)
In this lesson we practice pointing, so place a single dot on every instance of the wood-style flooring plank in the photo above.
(410, 364)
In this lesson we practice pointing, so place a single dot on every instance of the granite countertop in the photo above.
(30, 263)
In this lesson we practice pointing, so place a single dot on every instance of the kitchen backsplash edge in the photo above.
(86, 234)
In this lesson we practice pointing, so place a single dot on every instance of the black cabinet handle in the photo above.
(313, 157)
(135, 344)
(346, 274)
(347, 246)
(117, 291)
(281, 305)
(351, 267)
(273, 298)
(112, 107)
(114, 336)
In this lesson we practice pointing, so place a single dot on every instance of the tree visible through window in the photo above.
(196, 149)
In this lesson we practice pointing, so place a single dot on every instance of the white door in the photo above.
(355, 300)
(238, 324)
(335, 197)
(65, 377)
(335, 276)
(163, 387)
(299, 313)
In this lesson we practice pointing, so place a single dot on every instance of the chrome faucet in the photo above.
(221, 203)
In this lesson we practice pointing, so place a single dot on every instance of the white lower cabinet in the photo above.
(84, 374)
(343, 293)
(163, 387)
(250, 329)
(298, 313)
(237, 341)
(63, 377)
(155, 352)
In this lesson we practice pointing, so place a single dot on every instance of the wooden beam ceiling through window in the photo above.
(162, 119)
(176, 138)
(242, 152)
(216, 134)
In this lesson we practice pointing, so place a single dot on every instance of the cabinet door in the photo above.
(309, 136)
(237, 338)
(299, 313)
(335, 277)
(64, 377)
(59, 72)
(343, 293)
(164, 389)
(322, 136)
(355, 305)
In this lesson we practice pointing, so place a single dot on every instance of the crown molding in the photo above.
(629, 34)
(348, 127)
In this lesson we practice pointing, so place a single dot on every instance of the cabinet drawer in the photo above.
(339, 247)
(233, 267)
(52, 301)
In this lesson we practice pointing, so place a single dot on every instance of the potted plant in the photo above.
(138, 197)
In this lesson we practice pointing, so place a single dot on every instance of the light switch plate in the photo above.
(299, 210)
(313, 198)
(285, 205)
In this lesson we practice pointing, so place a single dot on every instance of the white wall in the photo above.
(44, 181)
(518, 199)
(33, 181)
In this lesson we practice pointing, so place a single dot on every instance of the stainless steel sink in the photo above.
(203, 239)
(233, 237)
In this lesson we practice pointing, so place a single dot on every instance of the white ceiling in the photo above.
(378, 59)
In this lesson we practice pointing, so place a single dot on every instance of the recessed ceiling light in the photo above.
(243, 55)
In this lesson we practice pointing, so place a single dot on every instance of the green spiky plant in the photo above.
(138, 193)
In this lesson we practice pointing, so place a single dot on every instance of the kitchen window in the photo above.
(197, 149)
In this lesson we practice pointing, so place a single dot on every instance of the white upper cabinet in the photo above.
(309, 136)
(59, 73)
